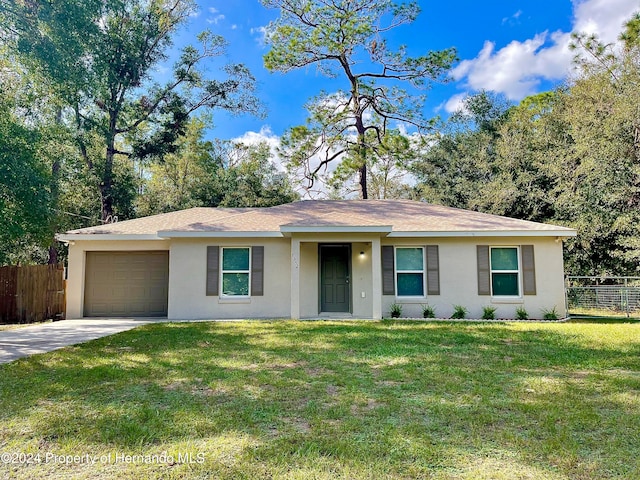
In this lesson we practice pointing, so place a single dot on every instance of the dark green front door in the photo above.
(335, 291)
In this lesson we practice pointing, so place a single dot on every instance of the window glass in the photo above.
(235, 271)
(235, 259)
(505, 284)
(235, 284)
(410, 272)
(505, 272)
(409, 259)
(504, 259)
(410, 284)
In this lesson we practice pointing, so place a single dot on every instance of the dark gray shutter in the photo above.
(528, 270)
(433, 270)
(257, 271)
(484, 270)
(213, 269)
(388, 282)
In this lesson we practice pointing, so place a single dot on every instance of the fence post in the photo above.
(567, 284)
(626, 295)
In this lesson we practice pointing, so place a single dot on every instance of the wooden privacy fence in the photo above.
(31, 293)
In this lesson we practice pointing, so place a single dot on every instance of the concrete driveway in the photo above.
(45, 337)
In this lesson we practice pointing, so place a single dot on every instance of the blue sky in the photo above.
(514, 47)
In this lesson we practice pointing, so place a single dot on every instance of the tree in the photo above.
(24, 193)
(347, 37)
(456, 164)
(100, 58)
(202, 173)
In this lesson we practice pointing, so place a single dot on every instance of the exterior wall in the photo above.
(361, 283)
(459, 284)
(188, 274)
(77, 260)
(458, 277)
(309, 280)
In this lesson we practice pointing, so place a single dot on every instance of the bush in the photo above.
(521, 314)
(428, 311)
(489, 313)
(396, 310)
(459, 311)
(550, 314)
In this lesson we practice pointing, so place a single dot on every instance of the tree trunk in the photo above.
(106, 189)
(53, 255)
(363, 181)
(106, 186)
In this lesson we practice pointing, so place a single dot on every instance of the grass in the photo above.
(325, 400)
(13, 326)
(602, 313)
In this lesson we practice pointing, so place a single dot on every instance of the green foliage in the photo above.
(347, 39)
(569, 157)
(456, 166)
(98, 58)
(204, 173)
(459, 312)
(428, 311)
(550, 314)
(396, 310)
(489, 313)
(24, 189)
(522, 314)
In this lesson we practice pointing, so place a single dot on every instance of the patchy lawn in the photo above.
(329, 400)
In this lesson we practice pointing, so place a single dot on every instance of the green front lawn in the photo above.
(331, 400)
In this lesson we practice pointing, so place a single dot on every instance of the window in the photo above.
(235, 271)
(505, 272)
(410, 271)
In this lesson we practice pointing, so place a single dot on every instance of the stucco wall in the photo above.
(188, 273)
(361, 306)
(459, 284)
(458, 277)
(76, 266)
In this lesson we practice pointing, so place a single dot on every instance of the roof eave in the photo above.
(218, 234)
(336, 229)
(484, 233)
(69, 237)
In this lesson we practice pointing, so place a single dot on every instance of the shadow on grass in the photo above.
(403, 399)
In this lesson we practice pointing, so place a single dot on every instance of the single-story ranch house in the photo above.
(315, 259)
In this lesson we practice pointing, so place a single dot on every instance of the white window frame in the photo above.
(423, 271)
(518, 271)
(223, 271)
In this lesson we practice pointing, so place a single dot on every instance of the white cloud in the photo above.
(513, 18)
(215, 20)
(213, 10)
(455, 103)
(518, 68)
(265, 135)
(261, 33)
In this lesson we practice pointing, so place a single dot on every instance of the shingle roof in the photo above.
(399, 215)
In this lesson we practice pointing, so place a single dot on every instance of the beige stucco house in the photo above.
(314, 259)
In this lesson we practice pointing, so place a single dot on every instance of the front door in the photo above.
(335, 270)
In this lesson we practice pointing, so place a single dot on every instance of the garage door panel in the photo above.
(126, 283)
